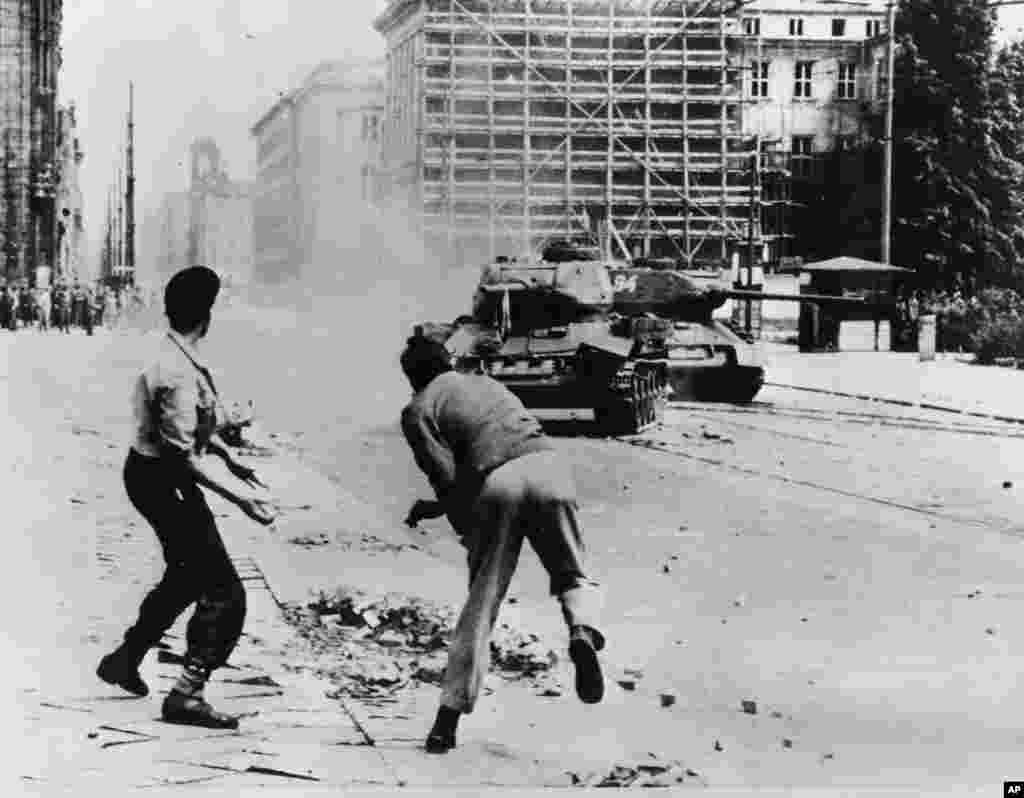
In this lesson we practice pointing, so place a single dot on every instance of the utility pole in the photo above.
(107, 260)
(748, 321)
(119, 226)
(890, 57)
(129, 195)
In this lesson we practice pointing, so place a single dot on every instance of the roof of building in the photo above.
(397, 9)
(352, 75)
(845, 263)
(831, 7)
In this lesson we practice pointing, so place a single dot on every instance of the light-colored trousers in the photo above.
(534, 498)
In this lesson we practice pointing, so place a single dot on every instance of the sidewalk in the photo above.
(77, 734)
(946, 383)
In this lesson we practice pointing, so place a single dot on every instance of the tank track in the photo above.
(636, 402)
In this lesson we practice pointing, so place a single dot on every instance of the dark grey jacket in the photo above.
(463, 426)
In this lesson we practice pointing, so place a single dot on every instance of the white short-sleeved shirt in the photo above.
(174, 408)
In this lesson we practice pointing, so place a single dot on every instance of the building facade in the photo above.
(210, 224)
(318, 156)
(220, 218)
(636, 125)
(166, 235)
(29, 130)
(815, 84)
(70, 263)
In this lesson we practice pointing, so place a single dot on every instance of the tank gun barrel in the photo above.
(815, 298)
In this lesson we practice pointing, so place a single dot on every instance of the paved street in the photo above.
(850, 567)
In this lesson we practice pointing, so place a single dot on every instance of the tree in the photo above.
(957, 157)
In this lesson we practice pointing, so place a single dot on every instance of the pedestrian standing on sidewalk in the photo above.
(6, 307)
(175, 409)
(45, 307)
(499, 481)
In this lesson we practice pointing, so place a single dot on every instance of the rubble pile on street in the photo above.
(520, 654)
(648, 774)
(373, 646)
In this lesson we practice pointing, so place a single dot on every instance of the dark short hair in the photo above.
(189, 297)
(424, 359)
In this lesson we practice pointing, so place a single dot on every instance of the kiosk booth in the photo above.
(839, 327)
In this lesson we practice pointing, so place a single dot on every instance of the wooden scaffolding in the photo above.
(618, 122)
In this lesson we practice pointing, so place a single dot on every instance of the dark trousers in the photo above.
(198, 568)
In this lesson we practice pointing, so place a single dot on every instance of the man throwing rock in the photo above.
(499, 481)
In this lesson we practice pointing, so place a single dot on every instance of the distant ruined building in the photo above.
(29, 136)
(70, 262)
(210, 223)
(318, 158)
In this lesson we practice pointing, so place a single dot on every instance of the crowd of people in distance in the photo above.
(64, 306)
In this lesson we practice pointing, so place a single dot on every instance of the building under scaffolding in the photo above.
(29, 134)
(514, 122)
(658, 127)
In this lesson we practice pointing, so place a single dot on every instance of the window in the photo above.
(839, 27)
(847, 88)
(752, 26)
(802, 156)
(759, 79)
(371, 127)
(796, 27)
(872, 28)
(802, 86)
(881, 79)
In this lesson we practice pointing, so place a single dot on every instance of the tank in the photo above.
(548, 331)
(706, 360)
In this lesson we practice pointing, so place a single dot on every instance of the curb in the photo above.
(900, 402)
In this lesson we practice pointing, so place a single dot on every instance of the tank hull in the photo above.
(715, 383)
(581, 373)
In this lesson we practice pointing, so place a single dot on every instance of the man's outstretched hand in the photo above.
(423, 510)
(259, 510)
(244, 473)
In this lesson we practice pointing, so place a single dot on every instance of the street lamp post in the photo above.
(890, 57)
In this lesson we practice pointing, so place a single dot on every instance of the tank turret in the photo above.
(546, 329)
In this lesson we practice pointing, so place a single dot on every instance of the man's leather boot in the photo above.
(584, 643)
(121, 669)
(194, 711)
(185, 704)
(442, 736)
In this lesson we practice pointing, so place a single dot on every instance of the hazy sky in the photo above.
(200, 67)
(203, 67)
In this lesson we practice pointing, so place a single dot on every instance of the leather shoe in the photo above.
(114, 670)
(440, 742)
(583, 653)
(189, 711)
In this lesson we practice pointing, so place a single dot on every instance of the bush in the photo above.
(990, 324)
(997, 325)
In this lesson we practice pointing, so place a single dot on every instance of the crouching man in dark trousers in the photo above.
(499, 481)
(176, 416)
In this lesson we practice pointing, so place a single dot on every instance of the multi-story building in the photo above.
(29, 130)
(165, 235)
(814, 85)
(71, 255)
(318, 152)
(513, 122)
(211, 223)
(220, 219)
